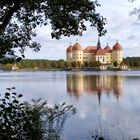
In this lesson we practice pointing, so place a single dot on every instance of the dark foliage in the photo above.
(115, 64)
(19, 18)
(136, 10)
(36, 121)
(133, 62)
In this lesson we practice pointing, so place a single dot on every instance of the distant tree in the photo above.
(8, 66)
(61, 63)
(79, 64)
(135, 64)
(19, 19)
(90, 64)
(69, 64)
(133, 61)
(115, 64)
(74, 64)
(86, 64)
(83, 65)
(94, 63)
(54, 64)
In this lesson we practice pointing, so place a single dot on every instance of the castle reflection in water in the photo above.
(94, 84)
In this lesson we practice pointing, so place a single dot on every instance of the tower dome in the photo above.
(117, 46)
(107, 48)
(77, 47)
(69, 49)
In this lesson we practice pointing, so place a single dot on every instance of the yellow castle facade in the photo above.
(106, 55)
(94, 84)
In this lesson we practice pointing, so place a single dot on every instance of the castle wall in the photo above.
(69, 56)
(117, 56)
(104, 56)
(77, 56)
(101, 58)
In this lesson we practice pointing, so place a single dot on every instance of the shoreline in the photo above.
(72, 70)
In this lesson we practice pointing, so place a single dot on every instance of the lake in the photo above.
(107, 103)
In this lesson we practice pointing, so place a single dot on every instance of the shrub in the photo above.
(31, 121)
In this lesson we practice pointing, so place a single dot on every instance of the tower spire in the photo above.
(107, 43)
(98, 43)
(99, 97)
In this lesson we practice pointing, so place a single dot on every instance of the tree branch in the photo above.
(7, 17)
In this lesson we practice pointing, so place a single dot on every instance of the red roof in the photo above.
(107, 49)
(90, 49)
(117, 46)
(69, 49)
(77, 47)
(100, 52)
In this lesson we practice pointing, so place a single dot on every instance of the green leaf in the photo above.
(7, 97)
(8, 88)
(2, 106)
(15, 101)
(9, 109)
(7, 94)
(14, 93)
(20, 95)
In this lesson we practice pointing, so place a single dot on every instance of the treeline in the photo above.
(42, 64)
(50, 64)
(39, 64)
(133, 62)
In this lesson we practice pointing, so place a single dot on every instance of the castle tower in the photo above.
(108, 51)
(69, 53)
(77, 53)
(117, 53)
(98, 43)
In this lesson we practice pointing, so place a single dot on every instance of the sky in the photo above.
(120, 26)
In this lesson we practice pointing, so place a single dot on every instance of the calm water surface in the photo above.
(108, 103)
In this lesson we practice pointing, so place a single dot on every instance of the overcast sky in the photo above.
(120, 26)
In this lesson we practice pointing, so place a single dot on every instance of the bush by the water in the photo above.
(31, 121)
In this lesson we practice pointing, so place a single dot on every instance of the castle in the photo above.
(106, 55)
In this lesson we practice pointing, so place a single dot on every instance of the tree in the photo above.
(61, 64)
(79, 64)
(19, 19)
(97, 63)
(69, 64)
(86, 64)
(115, 64)
(74, 64)
(136, 11)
